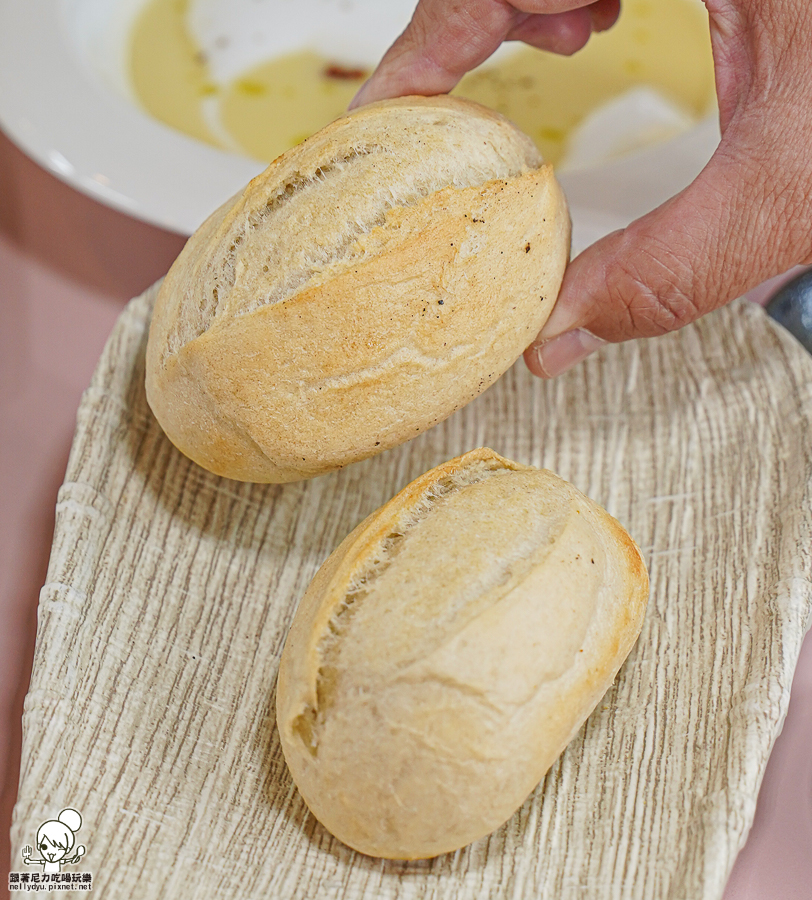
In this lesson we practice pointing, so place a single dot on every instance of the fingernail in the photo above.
(556, 355)
(358, 99)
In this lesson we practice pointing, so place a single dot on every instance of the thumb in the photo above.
(740, 222)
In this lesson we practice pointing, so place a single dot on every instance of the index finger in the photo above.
(447, 38)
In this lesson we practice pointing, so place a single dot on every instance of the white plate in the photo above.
(64, 113)
(65, 100)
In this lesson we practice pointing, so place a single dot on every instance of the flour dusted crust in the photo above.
(449, 649)
(370, 282)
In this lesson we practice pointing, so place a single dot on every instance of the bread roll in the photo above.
(449, 649)
(371, 281)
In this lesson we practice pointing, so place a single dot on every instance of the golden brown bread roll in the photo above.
(370, 282)
(449, 649)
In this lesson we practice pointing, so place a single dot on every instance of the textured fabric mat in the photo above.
(170, 592)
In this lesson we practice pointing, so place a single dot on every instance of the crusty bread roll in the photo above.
(370, 282)
(449, 649)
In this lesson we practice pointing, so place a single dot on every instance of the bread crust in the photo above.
(425, 690)
(372, 281)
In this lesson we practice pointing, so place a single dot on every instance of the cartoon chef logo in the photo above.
(56, 842)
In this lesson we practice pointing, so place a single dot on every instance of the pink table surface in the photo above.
(67, 268)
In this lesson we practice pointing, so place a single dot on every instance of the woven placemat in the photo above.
(170, 592)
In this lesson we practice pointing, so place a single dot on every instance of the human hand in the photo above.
(745, 218)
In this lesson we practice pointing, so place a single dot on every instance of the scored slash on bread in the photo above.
(370, 282)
